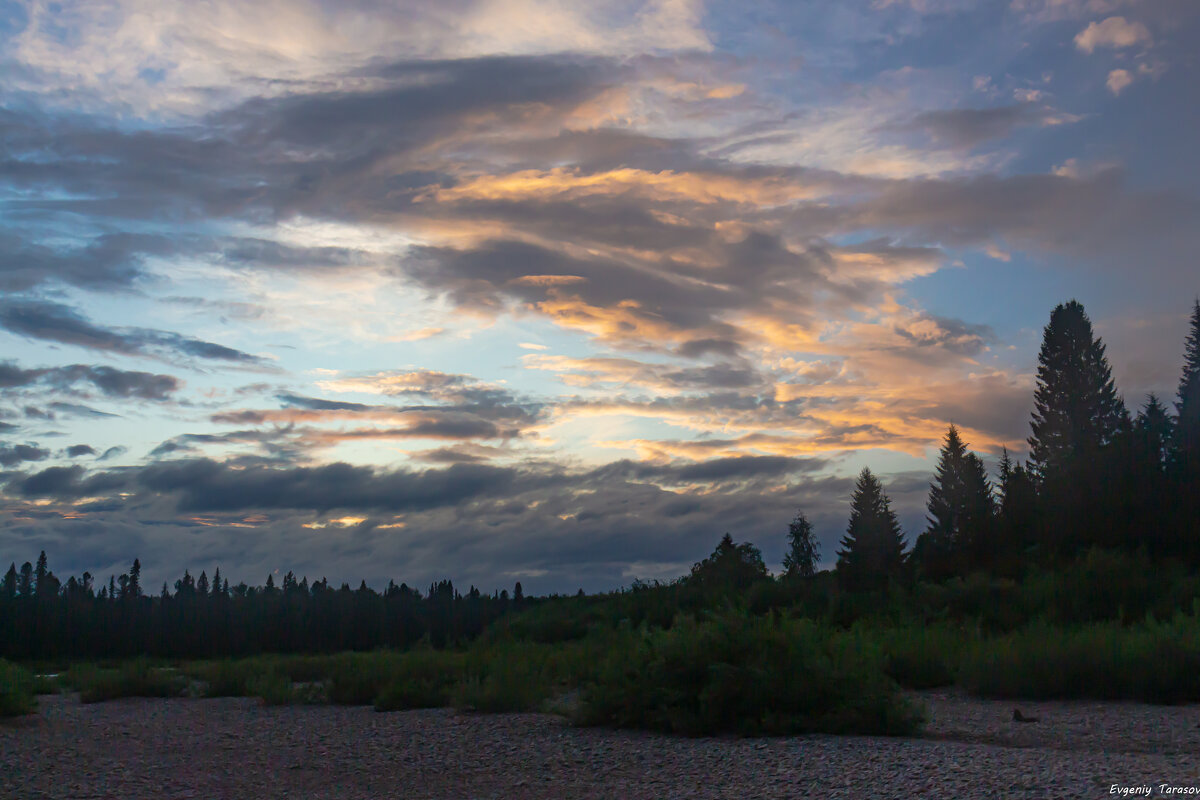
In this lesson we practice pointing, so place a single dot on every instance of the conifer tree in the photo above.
(1188, 403)
(1076, 407)
(731, 567)
(1154, 431)
(1078, 418)
(40, 572)
(9, 590)
(1018, 511)
(873, 547)
(135, 579)
(25, 582)
(960, 513)
(801, 557)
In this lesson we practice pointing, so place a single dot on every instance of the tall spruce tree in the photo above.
(1076, 407)
(1079, 423)
(1186, 484)
(873, 547)
(801, 558)
(1187, 428)
(1018, 514)
(1153, 434)
(959, 536)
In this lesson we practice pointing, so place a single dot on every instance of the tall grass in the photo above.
(16, 691)
(1155, 662)
(137, 678)
(422, 678)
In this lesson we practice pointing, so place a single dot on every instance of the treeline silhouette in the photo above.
(43, 618)
(1106, 503)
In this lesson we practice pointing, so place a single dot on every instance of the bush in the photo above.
(421, 679)
(357, 679)
(273, 687)
(16, 691)
(1157, 662)
(921, 657)
(740, 674)
(45, 684)
(509, 683)
(134, 679)
(228, 678)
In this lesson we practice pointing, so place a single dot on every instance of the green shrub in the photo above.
(357, 679)
(421, 679)
(741, 674)
(228, 678)
(922, 657)
(45, 684)
(508, 684)
(16, 691)
(1152, 662)
(307, 669)
(134, 679)
(274, 688)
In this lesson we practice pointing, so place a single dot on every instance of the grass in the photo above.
(1154, 662)
(16, 690)
(422, 678)
(137, 678)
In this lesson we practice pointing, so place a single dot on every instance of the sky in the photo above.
(557, 292)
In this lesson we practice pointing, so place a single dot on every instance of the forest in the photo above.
(1073, 574)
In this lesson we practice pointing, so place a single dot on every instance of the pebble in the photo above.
(237, 748)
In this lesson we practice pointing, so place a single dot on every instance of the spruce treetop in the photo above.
(1076, 407)
(1188, 403)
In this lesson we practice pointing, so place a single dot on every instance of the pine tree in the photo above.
(1018, 513)
(25, 582)
(873, 548)
(1188, 405)
(960, 514)
(1186, 474)
(1153, 432)
(1076, 407)
(801, 558)
(731, 567)
(1080, 435)
(135, 579)
(40, 573)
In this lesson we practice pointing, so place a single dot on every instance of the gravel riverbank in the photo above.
(236, 748)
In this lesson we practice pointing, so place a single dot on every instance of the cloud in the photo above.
(80, 410)
(77, 450)
(41, 319)
(112, 452)
(1114, 32)
(111, 381)
(1118, 80)
(670, 378)
(11, 456)
(106, 262)
(967, 128)
(112, 55)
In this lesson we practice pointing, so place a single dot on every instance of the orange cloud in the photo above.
(563, 182)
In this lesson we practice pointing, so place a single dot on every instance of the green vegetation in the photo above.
(749, 675)
(136, 678)
(16, 690)
(1155, 662)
